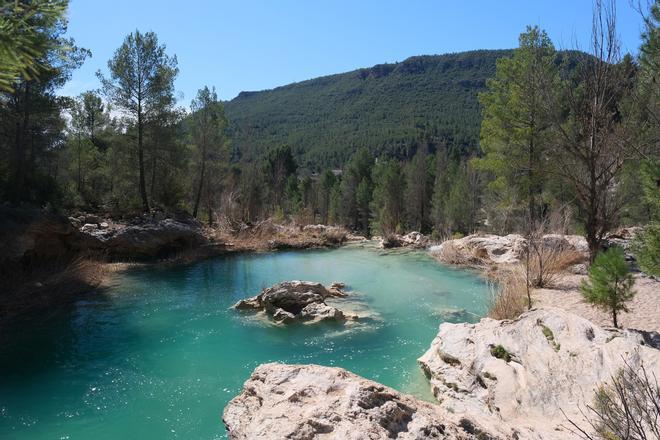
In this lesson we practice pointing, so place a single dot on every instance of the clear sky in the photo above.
(255, 45)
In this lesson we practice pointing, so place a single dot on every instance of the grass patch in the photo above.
(547, 332)
(500, 352)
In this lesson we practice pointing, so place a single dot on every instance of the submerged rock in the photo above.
(292, 301)
(518, 376)
(310, 401)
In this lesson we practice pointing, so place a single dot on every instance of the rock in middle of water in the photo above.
(293, 301)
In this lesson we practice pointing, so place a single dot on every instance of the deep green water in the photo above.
(160, 354)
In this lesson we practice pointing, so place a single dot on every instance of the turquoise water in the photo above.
(159, 354)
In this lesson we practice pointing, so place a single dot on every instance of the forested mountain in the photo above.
(389, 108)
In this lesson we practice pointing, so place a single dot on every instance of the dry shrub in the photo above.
(335, 235)
(548, 262)
(628, 408)
(448, 253)
(508, 296)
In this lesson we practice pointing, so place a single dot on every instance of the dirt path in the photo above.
(644, 308)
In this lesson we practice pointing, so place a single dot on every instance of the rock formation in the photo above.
(518, 376)
(484, 249)
(413, 239)
(309, 402)
(294, 301)
(147, 240)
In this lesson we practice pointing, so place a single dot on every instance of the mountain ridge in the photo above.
(390, 108)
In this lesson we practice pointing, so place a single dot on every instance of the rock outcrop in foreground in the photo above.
(517, 376)
(296, 301)
(309, 402)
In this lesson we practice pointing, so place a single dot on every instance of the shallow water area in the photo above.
(160, 353)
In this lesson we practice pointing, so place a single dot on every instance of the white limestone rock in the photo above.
(313, 402)
(557, 360)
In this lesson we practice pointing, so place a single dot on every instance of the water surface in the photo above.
(160, 354)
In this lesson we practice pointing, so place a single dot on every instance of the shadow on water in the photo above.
(63, 336)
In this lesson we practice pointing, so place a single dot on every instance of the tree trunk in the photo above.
(79, 164)
(198, 196)
(616, 324)
(143, 186)
(153, 172)
(19, 146)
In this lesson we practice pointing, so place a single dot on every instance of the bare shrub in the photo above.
(548, 260)
(508, 296)
(560, 220)
(335, 235)
(626, 409)
(449, 253)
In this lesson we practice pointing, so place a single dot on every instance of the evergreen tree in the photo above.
(141, 82)
(418, 191)
(514, 130)
(31, 119)
(647, 244)
(325, 186)
(279, 166)
(208, 124)
(610, 283)
(363, 200)
(357, 169)
(445, 172)
(23, 47)
(387, 203)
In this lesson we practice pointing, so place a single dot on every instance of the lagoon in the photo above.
(160, 353)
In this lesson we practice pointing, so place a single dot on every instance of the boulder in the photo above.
(291, 301)
(321, 312)
(528, 375)
(313, 402)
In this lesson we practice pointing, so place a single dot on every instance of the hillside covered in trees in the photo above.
(390, 109)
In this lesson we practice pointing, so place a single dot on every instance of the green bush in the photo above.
(646, 247)
(610, 283)
(500, 352)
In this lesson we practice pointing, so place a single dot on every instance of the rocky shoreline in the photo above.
(520, 379)
(528, 378)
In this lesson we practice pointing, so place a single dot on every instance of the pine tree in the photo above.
(387, 203)
(208, 124)
(418, 191)
(514, 130)
(141, 83)
(610, 283)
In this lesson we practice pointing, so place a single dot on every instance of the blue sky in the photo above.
(256, 45)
